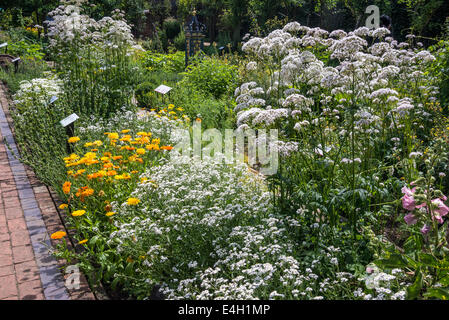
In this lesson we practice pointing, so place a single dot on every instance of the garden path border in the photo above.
(29, 206)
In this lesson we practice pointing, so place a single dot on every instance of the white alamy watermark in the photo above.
(257, 148)
(373, 20)
(73, 280)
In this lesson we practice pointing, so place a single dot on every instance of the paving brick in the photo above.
(36, 226)
(27, 271)
(40, 189)
(4, 235)
(54, 292)
(11, 202)
(26, 193)
(52, 219)
(5, 260)
(29, 204)
(5, 248)
(17, 224)
(22, 253)
(6, 270)
(20, 238)
(44, 198)
(50, 275)
(32, 214)
(8, 286)
(31, 290)
(14, 213)
(10, 194)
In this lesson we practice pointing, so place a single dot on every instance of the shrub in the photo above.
(180, 41)
(171, 27)
(214, 113)
(171, 63)
(211, 76)
(145, 94)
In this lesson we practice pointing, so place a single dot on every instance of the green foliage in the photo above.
(27, 70)
(180, 41)
(211, 76)
(39, 135)
(214, 113)
(440, 69)
(172, 63)
(172, 27)
(145, 94)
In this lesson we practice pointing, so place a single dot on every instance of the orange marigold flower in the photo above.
(110, 214)
(58, 235)
(66, 187)
(113, 136)
(78, 213)
(63, 206)
(74, 139)
(83, 241)
(132, 201)
(108, 165)
(140, 151)
(167, 148)
(111, 173)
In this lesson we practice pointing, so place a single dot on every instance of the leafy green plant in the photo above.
(145, 95)
(211, 76)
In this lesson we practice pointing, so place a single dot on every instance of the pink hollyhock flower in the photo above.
(410, 219)
(425, 229)
(441, 211)
(408, 202)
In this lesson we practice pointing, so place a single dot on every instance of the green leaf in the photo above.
(394, 261)
(427, 259)
(114, 283)
(129, 270)
(414, 290)
(439, 293)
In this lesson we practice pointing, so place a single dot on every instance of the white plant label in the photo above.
(163, 89)
(70, 119)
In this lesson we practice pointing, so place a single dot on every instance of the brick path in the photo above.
(28, 215)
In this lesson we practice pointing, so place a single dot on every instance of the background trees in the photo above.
(228, 21)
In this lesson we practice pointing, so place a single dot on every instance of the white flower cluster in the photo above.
(383, 286)
(206, 230)
(69, 26)
(37, 91)
(304, 92)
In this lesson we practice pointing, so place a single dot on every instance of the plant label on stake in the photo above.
(163, 89)
(69, 125)
(16, 64)
(4, 44)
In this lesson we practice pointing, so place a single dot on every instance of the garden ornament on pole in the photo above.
(195, 33)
